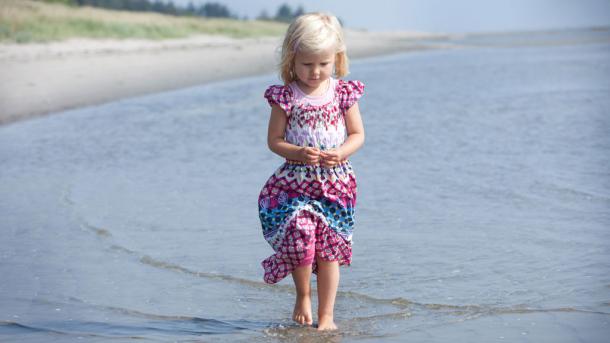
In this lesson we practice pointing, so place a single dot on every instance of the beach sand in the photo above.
(39, 79)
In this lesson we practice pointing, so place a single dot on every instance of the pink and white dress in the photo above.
(307, 210)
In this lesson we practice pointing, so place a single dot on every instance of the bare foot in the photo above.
(326, 322)
(302, 311)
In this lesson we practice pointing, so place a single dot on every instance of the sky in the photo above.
(442, 16)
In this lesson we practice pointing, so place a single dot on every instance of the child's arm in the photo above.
(355, 139)
(277, 144)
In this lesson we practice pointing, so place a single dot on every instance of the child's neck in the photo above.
(310, 91)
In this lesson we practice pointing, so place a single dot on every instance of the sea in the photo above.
(483, 211)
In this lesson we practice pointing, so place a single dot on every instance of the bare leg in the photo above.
(302, 306)
(328, 282)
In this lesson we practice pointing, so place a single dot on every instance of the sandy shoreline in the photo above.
(39, 79)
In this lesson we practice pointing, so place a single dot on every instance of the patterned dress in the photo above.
(308, 210)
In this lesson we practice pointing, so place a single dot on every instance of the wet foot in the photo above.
(302, 311)
(326, 323)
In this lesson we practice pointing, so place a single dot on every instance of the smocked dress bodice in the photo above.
(316, 121)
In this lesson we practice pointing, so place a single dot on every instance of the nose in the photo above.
(316, 71)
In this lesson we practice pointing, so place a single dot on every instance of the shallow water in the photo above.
(483, 210)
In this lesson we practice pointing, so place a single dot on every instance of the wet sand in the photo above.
(39, 79)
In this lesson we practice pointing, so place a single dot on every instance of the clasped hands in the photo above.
(325, 158)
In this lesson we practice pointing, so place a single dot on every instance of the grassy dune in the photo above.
(24, 21)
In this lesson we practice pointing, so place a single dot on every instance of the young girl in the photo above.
(307, 206)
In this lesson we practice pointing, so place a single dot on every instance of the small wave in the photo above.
(243, 324)
(394, 315)
(567, 192)
(16, 328)
(11, 327)
(470, 311)
(401, 303)
(166, 326)
(475, 311)
(148, 260)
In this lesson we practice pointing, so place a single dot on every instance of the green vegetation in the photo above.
(212, 9)
(284, 14)
(24, 21)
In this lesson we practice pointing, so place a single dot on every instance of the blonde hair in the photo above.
(313, 33)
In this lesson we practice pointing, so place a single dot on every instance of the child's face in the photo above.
(314, 69)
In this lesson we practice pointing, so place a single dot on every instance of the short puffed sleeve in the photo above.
(281, 96)
(349, 93)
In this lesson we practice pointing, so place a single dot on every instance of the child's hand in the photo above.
(309, 155)
(331, 157)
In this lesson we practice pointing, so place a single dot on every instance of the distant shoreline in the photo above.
(43, 78)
